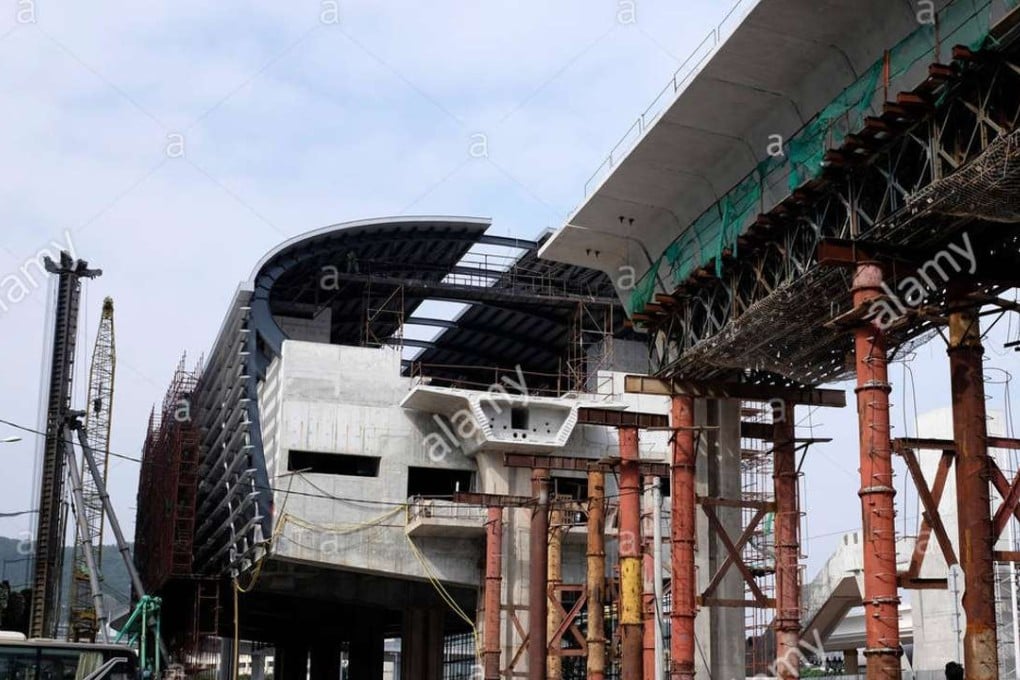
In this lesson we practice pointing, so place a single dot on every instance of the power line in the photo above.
(17, 514)
(323, 494)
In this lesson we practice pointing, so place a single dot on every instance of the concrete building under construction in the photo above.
(592, 469)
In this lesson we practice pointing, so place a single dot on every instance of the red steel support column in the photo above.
(493, 586)
(881, 598)
(683, 535)
(784, 478)
(538, 600)
(980, 655)
(631, 633)
(596, 637)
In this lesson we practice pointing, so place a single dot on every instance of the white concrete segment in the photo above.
(781, 65)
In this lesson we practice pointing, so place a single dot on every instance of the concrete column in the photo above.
(226, 666)
(434, 651)
(325, 660)
(367, 650)
(850, 666)
(258, 664)
(412, 647)
(721, 629)
(290, 661)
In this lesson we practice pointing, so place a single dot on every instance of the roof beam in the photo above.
(442, 290)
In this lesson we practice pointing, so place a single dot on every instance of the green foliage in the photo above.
(16, 568)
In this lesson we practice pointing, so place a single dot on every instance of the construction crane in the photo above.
(63, 425)
(82, 619)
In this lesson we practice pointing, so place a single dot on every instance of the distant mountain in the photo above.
(16, 568)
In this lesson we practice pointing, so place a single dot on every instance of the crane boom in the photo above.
(82, 613)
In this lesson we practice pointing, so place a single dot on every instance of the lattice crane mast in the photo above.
(82, 612)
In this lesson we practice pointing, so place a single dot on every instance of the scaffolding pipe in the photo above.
(648, 611)
(538, 601)
(493, 586)
(784, 477)
(977, 538)
(85, 538)
(877, 493)
(596, 663)
(555, 572)
(657, 573)
(683, 535)
(631, 634)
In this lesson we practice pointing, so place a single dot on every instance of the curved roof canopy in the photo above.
(358, 282)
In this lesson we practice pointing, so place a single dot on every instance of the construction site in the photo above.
(594, 466)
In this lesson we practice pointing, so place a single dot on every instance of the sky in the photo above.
(173, 144)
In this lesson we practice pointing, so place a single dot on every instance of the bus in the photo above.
(44, 659)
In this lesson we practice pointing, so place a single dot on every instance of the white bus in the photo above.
(44, 659)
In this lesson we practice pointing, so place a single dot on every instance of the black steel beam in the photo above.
(524, 460)
(643, 384)
(618, 418)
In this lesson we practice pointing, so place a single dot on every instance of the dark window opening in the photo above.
(518, 418)
(664, 487)
(433, 482)
(569, 487)
(334, 463)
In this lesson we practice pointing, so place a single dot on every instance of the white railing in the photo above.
(687, 70)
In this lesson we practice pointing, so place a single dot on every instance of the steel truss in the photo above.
(766, 311)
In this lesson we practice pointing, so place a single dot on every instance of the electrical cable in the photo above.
(17, 514)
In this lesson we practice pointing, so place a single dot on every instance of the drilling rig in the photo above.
(82, 621)
(49, 542)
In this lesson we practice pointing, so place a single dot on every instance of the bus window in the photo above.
(15, 665)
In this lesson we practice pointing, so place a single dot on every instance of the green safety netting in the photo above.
(962, 22)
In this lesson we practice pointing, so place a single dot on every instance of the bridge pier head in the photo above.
(877, 493)
(977, 538)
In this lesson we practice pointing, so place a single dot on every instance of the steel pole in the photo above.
(648, 611)
(683, 536)
(538, 601)
(493, 587)
(657, 572)
(877, 493)
(631, 634)
(784, 478)
(596, 663)
(86, 541)
(980, 646)
(555, 572)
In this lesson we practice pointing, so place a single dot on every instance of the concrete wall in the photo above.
(336, 399)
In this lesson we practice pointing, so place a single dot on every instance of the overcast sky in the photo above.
(175, 144)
